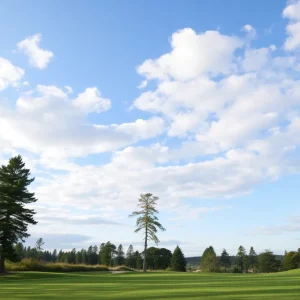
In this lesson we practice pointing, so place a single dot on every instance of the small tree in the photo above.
(14, 216)
(178, 262)
(39, 247)
(130, 258)
(120, 256)
(225, 260)
(209, 260)
(147, 221)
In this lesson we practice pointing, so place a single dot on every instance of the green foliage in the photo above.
(178, 262)
(108, 252)
(147, 221)
(291, 260)
(252, 259)
(14, 216)
(241, 259)
(119, 259)
(267, 262)
(209, 261)
(225, 259)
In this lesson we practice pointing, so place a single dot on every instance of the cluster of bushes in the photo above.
(30, 264)
(291, 260)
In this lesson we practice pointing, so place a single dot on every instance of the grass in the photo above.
(153, 285)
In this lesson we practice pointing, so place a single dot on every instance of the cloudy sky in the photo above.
(197, 102)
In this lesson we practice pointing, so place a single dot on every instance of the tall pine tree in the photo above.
(14, 216)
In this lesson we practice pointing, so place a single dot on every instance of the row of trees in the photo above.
(107, 254)
(264, 262)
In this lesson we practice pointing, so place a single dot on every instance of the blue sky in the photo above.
(196, 102)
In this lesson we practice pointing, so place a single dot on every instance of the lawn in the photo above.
(154, 285)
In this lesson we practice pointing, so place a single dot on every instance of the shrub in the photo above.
(29, 264)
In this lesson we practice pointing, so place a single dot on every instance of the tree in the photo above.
(130, 260)
(209, 261)
(147, 221)
(38, 246)
(267, 262)
(241, 259)
(120, 256)
(252, 259)
(107, 253)
(14, 216)
(225, 259)
(178, 262)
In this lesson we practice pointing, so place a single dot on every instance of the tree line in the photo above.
(106, 254)
(264, 262)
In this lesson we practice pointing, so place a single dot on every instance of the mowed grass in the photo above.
(153, 285)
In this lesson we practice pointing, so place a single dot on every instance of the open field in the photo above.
(156, 285)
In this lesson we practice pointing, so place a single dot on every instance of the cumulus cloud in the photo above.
(250, 31)
(91, 101)
(38, 57)
(10, 75)
(292, 12)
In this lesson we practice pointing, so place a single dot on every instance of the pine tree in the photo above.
(130, 257)
(225, 259)
(252, 259)
(14, 216)
(241, 259)
(178, 262)
(147, 221)
(120, 256)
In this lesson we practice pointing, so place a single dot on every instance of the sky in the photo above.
(196, 102)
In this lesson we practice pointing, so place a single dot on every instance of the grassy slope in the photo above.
(160, 285)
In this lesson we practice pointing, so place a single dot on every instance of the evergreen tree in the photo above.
(120, 260)
(14, 216)
(241, 259)
(225, 260)
(139, 260)
(108, 253)
(147, 221)
(38, 246)
(209, 261)
(130, 259)
(252, 259)
(178, 262)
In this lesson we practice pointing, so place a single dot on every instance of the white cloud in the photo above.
(9, 74)
(38, 57)
(192, 55)
(292, 12)
(250, 30)
(91, 101)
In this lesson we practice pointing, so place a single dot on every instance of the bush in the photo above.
(29, 264)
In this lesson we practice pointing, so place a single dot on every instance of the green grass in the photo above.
(153, 285)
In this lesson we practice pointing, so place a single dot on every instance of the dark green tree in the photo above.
(225, 260)
(252, 259)
(107, 254)
(147, 221)
(178, 262)
(120, 260)
(130, 260)
(267, 262)
(209, 260)
(14, 216)
(241, 259)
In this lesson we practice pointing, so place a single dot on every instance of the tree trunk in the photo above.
(145, 250)
(2, 270)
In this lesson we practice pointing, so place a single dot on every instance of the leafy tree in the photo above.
(241, 259)
(14, 216)
(178, 262)
(107, 254)
(147, 221)
(209, 261)
(225, 259)
(291, 260)
(139, 260)
(120, 256)
(252, 259)
(267, 262)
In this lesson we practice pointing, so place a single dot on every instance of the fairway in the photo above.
(156, 285)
